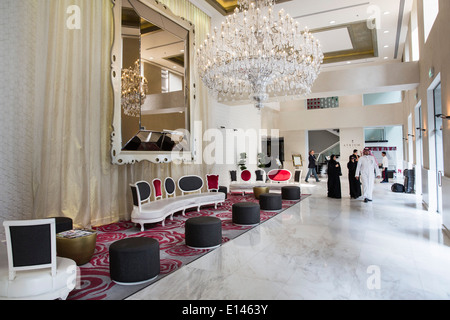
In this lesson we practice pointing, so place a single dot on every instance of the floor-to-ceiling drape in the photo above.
(72, 171)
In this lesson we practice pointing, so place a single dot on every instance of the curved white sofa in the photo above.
(146, 211)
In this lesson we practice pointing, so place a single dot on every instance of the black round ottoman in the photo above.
(63, 224)
(134, 260)
(203, 232)
(270, 201)
(246, 213)
(290, 193)
(224, 190)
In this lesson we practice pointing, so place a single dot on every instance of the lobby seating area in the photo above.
(147, 211)
(275, 179)
(161, 150)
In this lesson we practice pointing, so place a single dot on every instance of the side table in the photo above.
(78, 245)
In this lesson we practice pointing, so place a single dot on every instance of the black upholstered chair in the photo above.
(260, 175)
(298, 176)
(141, 192)
(169, 187)
(203, 232)
(134, 260)
(188, 184)
(233, 176)
(32, 270)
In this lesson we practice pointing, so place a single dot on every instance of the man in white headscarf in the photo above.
(367, 168)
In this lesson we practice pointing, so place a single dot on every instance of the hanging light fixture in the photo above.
(134, 90)
(257, 54)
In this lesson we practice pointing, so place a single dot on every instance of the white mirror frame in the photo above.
(119, 156)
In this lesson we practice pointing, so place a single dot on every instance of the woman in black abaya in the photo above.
(354, 184)
(334, 182)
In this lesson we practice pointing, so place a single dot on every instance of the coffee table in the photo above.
(77, 244)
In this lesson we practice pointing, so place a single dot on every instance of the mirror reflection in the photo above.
(155, 106)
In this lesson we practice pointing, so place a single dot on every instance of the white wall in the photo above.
(394, 137)
(293, 116)
(350, 139)
(295, 142)
(247, 120)
(16, 120)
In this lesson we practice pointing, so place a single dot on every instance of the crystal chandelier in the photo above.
(134, 90)
(257, 54)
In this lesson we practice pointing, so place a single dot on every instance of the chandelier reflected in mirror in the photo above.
(258, 54)
(134, 90)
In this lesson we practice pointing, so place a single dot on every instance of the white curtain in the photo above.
(72, 171)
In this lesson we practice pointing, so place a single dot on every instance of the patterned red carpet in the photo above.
(94, 282)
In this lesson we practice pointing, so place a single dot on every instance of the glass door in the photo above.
(438, 122)
(419, 148)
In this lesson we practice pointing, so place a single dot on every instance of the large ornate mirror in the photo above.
(153, 83)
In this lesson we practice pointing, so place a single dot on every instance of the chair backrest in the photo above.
(260, 175)
(233, 176)
(141, 192)
(298, 175)
(190, 184)
(246, 175)
(279, 175)
(212, 182)
(157, 186)
(31, 244)
(169, 187)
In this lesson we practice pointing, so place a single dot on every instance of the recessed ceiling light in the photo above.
(386, 12)
(386, 31)
(348, 62)
(174, 67)
(182, 50)
(332, 22)
(386, 46)
(151, 58)
(385, 58)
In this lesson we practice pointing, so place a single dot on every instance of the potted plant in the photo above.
(243, 160)
(262, 160)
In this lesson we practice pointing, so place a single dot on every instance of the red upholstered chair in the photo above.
(157, 186)
(279, 175)
(212, 182)
(246, 175)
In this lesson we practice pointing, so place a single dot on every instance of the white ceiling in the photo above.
(392, 17)
(334, 40)
(156, 47)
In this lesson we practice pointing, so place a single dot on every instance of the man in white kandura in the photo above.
(367, 167)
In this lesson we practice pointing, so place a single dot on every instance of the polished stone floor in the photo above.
(325, 248)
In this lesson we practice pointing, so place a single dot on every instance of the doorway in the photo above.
(439, 147)
(419, 147)
(436, 147)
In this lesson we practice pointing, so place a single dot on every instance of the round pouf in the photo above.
(203, 232)
(224, 190)
(270, 201)
(246, 213)
(134, 260)
(63, 224)
(290, 193)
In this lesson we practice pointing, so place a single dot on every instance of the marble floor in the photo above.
(324, 248)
